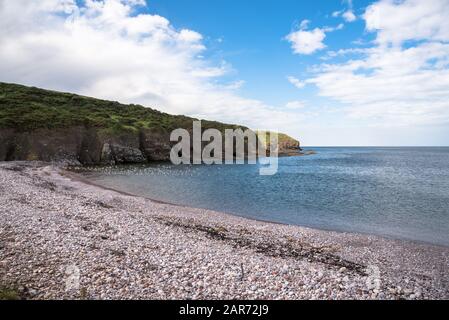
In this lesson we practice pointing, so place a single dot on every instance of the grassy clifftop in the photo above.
(285, 142)
(28, 108)
(37, 124)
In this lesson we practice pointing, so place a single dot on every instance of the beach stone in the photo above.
(133, 248)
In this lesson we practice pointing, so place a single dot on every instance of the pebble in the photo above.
(134, 248)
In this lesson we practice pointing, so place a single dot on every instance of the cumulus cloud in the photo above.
(349, 16)
(336, 14)
(296, 82)
(307, 42)
(396, 22)
(391, 83)
(108, 49)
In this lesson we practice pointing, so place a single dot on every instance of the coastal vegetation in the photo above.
(28, 108)
(284, 140)
(38, 124)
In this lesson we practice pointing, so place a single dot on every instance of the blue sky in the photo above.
(328, 72)
(250, 36)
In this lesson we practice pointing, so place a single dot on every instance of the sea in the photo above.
(394, 192)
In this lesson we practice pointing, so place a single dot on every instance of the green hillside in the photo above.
(37, 124)
(28, 108)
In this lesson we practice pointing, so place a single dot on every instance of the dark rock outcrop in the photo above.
(6, 145)
(287, 146)
(124, 154)
(79, 145)
(155, 144)
(42, 144)
(89, 146)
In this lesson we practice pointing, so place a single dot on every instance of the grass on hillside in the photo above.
(28, 108)
(282, 138)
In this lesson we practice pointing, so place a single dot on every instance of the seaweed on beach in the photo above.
(7, 293)
(274, 248)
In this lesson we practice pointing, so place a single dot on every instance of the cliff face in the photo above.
(84, 145)
(37, 124)
(287, 146)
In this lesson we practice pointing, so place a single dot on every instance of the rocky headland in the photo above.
(44, 125)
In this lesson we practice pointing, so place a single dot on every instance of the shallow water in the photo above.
(395, 192)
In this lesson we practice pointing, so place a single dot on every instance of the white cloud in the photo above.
(307, 42)
(343, 52)
(107, 49)
(296, 82)
(349, 16)
(235, 85)
(396, 22)
(295, 105)
(304, 24)
(336, 14)
(395, 85)
(189, 36)
(331, 29)
(340, 26)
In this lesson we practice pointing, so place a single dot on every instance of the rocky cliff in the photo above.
(37, 124)
(287, 145)
(81, 144)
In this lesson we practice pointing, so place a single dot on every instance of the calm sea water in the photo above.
(395, 192)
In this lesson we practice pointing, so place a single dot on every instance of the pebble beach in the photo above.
(64, 238)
